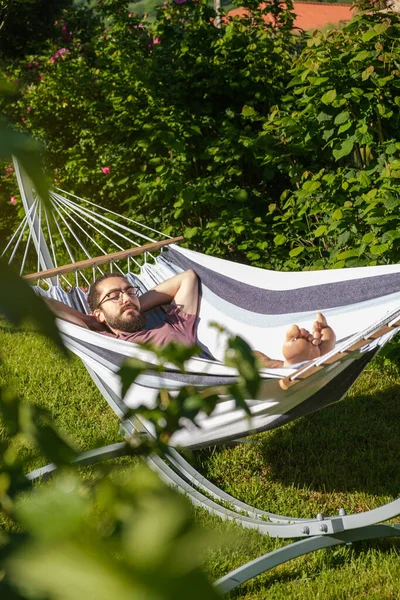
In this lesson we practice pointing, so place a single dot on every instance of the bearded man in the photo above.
(118, 311)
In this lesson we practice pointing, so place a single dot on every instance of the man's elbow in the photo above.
(190, 275)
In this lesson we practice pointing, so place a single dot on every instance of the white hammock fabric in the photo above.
(355, 301)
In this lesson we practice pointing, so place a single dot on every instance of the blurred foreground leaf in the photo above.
(27, 150)
(135, 538)
(18, 302)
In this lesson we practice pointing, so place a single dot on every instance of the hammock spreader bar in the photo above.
(100, 260)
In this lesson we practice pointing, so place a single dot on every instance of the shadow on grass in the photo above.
(351, 446)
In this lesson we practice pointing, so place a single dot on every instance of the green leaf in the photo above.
(364, 179)
(21, 303)
(344, 149)
(391, 202)
(345, 127)
(329, 97)
(280, 239)
(253, 256)
(368, 238)
(58, 505)
(130, 371)
(241, 195)
(27, 151)
(369, 35)
(317, 80)
(311, 186)
(249, 111)
(190, 232)
(391, 235)
(381, 27)
(320, 230)
(323, 116)
(366, 74)
(342, 117)
(296, 251)
(240, 355)
(361, 56)
(338, 214)
(347, 254)
(53, 445)
(379, 249)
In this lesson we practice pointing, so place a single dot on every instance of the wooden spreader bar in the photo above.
(287, 382)
(100, 260)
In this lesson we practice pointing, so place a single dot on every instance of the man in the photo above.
(118, 312)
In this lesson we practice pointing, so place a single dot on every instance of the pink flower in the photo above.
(28, 110)
(13, 200)
(105, 170)
(131, 14)
(59, 54)
(156, 41)
(9, 169)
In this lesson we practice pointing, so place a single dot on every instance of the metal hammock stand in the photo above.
(335, 371)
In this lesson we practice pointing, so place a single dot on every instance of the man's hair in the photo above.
(93, 297)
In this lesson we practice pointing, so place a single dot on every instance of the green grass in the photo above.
(344, 456)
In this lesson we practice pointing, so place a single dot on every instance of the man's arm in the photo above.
(182, 290)
(62, 311)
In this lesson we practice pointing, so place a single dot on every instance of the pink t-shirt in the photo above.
(178, 327)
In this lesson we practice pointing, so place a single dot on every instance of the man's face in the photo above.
(121, 312)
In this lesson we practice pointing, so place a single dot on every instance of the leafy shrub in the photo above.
(159, 119)
(27, 24)
(336, 146)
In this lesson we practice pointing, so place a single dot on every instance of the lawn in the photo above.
(344, 456)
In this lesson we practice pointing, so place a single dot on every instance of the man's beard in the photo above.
(127, 324)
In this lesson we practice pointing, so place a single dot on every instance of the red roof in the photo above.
(312, 15)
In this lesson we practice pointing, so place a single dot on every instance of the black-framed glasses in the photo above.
(116, 295)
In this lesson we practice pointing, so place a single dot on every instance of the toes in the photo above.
(304, 333)
(321, 320)
(292, 332)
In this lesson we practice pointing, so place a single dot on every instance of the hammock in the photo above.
(361, 304)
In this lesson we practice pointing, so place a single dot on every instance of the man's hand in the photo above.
(182, 290)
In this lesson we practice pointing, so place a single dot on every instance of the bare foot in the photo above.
(301, 345)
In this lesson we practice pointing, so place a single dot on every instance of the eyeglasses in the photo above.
(116, 295)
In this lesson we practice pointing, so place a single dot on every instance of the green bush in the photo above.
(27, 24)
(170, 109)
(252, 146)
(336, 147)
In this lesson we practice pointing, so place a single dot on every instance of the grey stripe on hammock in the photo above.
(276, 302)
